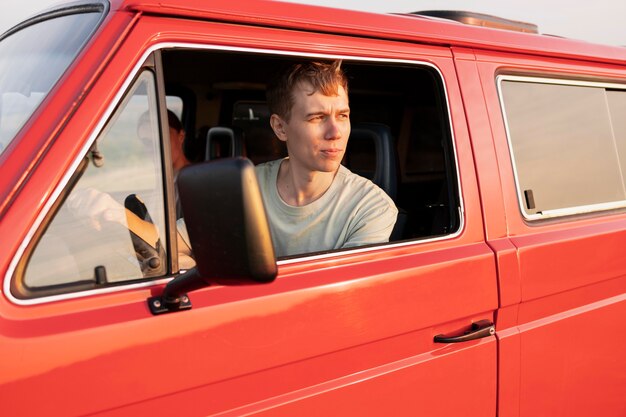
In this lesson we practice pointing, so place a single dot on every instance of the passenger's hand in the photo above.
(96, 207)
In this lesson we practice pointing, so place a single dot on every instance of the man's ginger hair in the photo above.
(325, 77)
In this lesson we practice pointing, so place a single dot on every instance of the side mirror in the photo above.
(228, 230)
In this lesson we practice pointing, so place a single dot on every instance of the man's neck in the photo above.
(301, 187)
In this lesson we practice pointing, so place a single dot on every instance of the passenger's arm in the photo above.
(185, 255)
(97, 207)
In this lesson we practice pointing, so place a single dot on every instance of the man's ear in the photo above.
(177, 136)
(278, 126)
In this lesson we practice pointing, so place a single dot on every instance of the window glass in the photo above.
(563, 144)
(109, 227)
(32, 60)
(617, 107)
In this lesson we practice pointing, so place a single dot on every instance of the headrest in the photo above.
(223, 142)
(371, 153)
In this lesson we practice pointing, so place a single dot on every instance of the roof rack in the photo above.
(480, 19)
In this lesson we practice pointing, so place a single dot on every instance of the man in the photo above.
(314, 203)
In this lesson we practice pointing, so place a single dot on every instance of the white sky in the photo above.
(600, 21)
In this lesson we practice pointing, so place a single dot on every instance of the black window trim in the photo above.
(101, 6)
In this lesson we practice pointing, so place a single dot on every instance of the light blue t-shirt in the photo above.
(352, 212)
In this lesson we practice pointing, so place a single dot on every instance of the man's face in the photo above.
(318, 129)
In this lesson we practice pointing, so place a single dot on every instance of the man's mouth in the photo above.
(331, 152)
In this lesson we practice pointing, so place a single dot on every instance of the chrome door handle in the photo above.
(480, 329)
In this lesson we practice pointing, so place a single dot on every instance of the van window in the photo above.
(567, 143)
(89, 241)
(32, 60)
(406, 100)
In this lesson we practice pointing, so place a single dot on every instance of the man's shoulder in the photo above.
(265, 169)
(362, 186)
(268, 165)
(348, 176)
(350, 179)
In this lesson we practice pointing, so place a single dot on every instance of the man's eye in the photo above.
(344, 116)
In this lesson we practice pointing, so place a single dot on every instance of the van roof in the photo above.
(390, 26)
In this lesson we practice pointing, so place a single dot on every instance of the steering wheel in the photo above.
(148, 256)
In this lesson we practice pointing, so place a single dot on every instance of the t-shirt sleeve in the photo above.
(374, 222)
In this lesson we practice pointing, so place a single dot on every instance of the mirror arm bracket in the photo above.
(174, 297)
(159, 305)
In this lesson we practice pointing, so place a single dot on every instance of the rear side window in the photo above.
(567, 143)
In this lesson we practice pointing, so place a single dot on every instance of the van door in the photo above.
(559, 137)
(337, 333)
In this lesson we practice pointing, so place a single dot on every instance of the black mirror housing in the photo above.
(226, 222)
(228, 230)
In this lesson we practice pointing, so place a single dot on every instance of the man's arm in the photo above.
(375, 222)
(185, 255)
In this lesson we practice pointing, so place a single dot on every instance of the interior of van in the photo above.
(400, 136)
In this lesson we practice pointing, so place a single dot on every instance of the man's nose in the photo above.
(333, 130)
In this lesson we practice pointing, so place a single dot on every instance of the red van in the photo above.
(502, 291)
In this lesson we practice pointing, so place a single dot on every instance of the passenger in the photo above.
(177, 139)
(179, 161)
(314, 203)
(96, 206)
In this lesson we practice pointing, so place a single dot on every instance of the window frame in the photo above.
(152, 57)
(445, 100)
(561, 212)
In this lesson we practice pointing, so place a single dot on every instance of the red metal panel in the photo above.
(244, 345)
(388, 26)
(509, 284)
(572, 275)
(573, 362)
